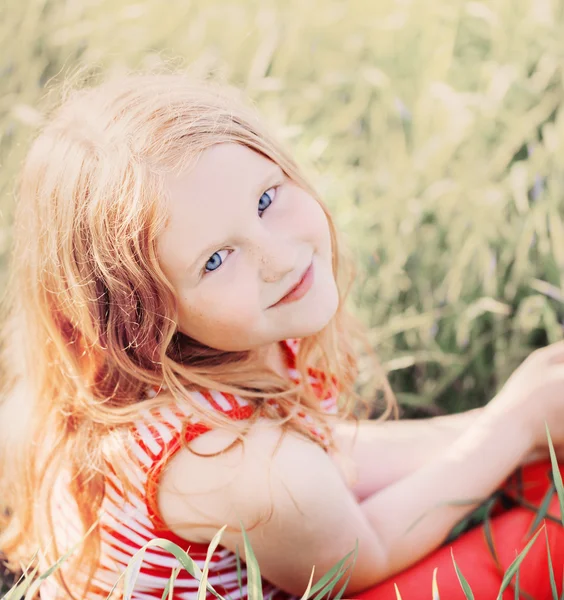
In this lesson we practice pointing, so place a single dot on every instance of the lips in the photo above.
(299, 289)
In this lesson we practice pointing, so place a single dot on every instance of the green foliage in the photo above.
(432, 129)
(556, 473)
(463, 583)
(28, 585)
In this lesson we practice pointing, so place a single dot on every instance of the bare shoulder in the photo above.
(217, 465)
(286, 492)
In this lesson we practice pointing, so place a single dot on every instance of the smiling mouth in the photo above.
(299, 290)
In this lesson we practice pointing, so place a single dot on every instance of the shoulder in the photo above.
(220, 479)
(225, 464)
(281, 487)
(164, 425)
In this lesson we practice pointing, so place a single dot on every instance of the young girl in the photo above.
(175, 346)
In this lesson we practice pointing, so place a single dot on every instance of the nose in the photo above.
(276, 258)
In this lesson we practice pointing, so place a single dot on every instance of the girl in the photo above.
(169, 255)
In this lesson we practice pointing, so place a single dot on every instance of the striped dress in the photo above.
(130, 517)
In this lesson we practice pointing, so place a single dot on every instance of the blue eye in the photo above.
(215, 261)
(266, 200)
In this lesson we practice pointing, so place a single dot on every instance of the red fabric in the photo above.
(509, 530)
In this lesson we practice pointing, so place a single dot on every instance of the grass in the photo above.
(434, 130)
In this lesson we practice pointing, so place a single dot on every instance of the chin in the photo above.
(313, 321)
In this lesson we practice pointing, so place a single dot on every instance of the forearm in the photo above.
(379, 453)
(413, 516)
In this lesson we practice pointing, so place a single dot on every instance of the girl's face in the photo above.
(240, 237)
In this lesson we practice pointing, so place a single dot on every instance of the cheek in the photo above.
(313, 224)
(215, 319)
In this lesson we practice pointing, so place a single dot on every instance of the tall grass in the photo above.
(433, 129)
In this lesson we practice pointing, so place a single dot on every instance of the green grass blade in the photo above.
(202, 592)
(168, 592)
(488, 532)
(342, 590)
(34, 586)
(239, 578)
(323, 590)
(516, 591)
(131, 573)
(462, 580)
(254, 581)
(214, 544)
(202, 588)
(183, 558)
(329, 587)
(542, 511)
(20, 589)
(172, 582)
(334, 580)
(550, 568)
(337, 570)
(25, 578)
(478, 502)
(514, 566)
(17, 592)
(556, 474)
(187, 563)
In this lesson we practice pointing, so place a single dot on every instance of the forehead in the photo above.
(219, 167)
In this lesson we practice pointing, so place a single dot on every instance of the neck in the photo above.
(274, 358)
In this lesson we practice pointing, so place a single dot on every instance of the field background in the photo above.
(434, 130)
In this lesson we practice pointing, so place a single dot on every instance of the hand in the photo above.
(534, 394)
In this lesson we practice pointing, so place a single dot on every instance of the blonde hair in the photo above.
(92, 317)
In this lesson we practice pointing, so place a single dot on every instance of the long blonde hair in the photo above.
(92, 318)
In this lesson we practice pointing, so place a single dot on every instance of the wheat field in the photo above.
(434, 130)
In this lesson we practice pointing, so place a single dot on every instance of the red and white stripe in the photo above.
(129, 518)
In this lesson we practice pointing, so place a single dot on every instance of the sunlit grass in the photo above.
(434, 130)
(29, 583)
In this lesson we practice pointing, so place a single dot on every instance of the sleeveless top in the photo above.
(129, 514)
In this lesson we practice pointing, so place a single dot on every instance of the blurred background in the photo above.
(433, 129)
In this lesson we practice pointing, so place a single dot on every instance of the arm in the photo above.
(427, 503)
(375, 454)
(298, 512)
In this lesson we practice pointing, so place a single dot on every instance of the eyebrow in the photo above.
(272, 174)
